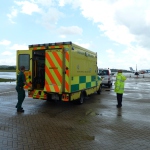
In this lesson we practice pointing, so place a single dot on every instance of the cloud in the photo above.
(60, 3)
(51, 17)
(46, 3)
(12, 15)
(9, 60)
(28, 7)
(5, 42)
(104, 14)
(6, 53)
(72, 30)
(124, 22)
(74, 3)
(137, 54)
(19, 47)
(8, 57)
(100, 63)
(62, 36)
(63, 2)
(85, 45)
(111, 53)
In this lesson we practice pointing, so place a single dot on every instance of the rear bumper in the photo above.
(107, 83)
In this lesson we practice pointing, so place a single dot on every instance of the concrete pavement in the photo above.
(95, 125)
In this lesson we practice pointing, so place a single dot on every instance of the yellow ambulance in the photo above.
(60, 71)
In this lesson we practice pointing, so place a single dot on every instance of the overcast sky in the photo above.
(118, 30)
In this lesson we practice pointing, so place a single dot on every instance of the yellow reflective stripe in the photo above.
(67, 69)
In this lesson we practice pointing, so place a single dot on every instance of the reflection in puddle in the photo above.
(119, 111)
(8, 75)
(8, 83)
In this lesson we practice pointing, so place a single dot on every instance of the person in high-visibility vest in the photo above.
(119, 87)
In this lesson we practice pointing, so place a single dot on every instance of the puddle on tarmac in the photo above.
(90, 112)
(88, 137)
(83, 121)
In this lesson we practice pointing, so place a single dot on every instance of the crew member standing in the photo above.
(20, 90)
(119, 87)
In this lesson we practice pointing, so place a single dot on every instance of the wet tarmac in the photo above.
(95, 125)
(8, 75)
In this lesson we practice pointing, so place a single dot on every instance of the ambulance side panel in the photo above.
(83, 72)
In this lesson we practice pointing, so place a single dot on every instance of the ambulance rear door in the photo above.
(54, 71)
(24, 58)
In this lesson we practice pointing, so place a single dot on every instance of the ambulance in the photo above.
(59, 71)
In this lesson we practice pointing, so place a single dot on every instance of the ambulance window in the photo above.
(24, 60)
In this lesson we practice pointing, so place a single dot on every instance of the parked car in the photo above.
(107, 78)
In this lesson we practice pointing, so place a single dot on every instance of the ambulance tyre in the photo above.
(81, 99)
(60, 97)
(99, 90)
(49, 97)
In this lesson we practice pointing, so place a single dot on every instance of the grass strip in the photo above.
(7, 70)
(7, 80)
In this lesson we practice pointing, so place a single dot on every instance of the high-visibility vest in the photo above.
(119, 84)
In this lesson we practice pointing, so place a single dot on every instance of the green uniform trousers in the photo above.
(21, 97)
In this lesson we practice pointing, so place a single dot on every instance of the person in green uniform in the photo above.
(20, 90)
(119, 87)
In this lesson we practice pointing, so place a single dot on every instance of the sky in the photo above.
(118, 30)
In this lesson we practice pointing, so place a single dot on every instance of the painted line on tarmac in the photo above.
(7, 92)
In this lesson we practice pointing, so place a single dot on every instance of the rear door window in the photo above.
(103, 72)
(24, 60)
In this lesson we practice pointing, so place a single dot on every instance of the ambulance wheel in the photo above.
(60, 97)
(99, 90)
(81, 99)
(49, 97)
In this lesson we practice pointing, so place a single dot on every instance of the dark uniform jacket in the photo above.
(20, 80)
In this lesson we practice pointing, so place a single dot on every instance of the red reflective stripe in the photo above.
(49, 75)
(55, 54)
(67, 86)
(43, 47)
(55, 70)
(52, 47)
(61, 46)
(51, 78)
(67, 56)
(47, 86)
(56, 88)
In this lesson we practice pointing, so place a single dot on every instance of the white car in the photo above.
(107, 78)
